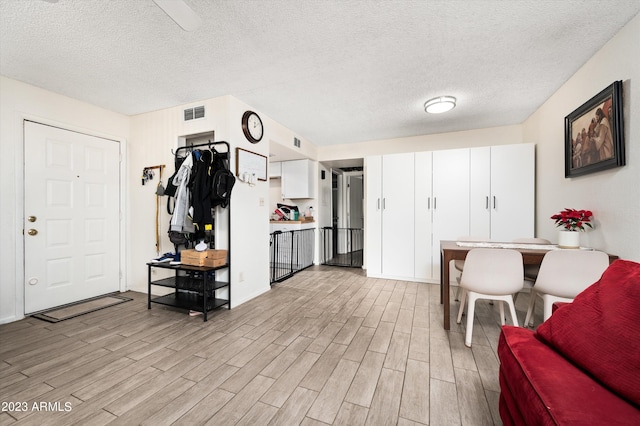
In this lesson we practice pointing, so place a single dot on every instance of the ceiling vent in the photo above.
(194, 113)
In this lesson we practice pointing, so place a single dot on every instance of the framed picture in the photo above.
(594, 134)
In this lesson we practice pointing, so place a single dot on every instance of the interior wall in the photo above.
(504, 135)
(19, 101)
(154, 135)
(612, 195)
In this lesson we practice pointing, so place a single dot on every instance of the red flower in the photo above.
(573, 220)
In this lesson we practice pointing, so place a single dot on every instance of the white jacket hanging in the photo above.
(180, 221)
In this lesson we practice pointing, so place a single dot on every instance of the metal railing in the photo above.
(290, 252)
(341, 246)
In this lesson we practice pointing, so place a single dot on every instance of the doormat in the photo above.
(73, 310)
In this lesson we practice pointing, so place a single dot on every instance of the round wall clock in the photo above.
(252, 126)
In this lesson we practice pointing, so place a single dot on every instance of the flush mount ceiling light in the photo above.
(440, 104)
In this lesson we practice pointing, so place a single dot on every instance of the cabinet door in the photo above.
(398, 215)
(373, 215)
(512, 191)
(423, 207)
(298, 179)
(450, 198)
(480, 193)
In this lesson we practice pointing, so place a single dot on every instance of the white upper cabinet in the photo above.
(298, 179)
(275, 169)
(503, 192)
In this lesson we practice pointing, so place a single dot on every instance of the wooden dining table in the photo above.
(532, 254)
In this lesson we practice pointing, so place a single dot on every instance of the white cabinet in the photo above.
(373, 215)
(390, 215)
(502, 192)
(398, 215)
(275, 169)
(450, 199)
(423, 262)
(298, 179)
(415, 200)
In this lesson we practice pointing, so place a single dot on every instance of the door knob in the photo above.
(32, 218)
(32, 232)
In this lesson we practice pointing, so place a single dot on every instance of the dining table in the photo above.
(532, 254)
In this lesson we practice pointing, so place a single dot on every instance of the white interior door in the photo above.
(72, 226)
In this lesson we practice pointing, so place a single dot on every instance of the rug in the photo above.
(61, 313)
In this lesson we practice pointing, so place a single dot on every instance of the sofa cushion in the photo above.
(541, 387)
(599, 331)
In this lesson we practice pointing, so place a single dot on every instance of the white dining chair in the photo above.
(459, 264)
(493, 274)
(563, 275)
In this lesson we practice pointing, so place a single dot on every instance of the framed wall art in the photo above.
(594, 134)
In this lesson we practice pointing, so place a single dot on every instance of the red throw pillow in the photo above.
(600, 330)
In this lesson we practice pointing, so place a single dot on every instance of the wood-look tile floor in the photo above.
(327, 346)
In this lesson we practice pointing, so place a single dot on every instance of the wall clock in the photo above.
(252, 126)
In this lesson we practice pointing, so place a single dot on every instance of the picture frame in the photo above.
(250, 165)
(594, 134)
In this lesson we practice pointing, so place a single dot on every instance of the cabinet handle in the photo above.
(434, 203)
(494, 202)
(486, 202)
(378, 203)
(428, 203)
(384, 203)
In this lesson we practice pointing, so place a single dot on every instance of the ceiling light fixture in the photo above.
(440, 104)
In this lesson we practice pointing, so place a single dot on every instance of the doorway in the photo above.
(72, 216)
(342, 243)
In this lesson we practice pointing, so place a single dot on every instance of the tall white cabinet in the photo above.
(390, 210)
(451, 200)
(415, 200)
(502, 189)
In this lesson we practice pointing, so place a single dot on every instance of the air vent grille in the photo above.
(194, 113)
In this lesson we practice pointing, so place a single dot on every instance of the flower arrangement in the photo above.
(573, 220)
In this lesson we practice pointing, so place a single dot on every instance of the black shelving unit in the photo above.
(195, 286)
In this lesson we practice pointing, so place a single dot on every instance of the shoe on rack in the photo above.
(194, 313)
(167, 257)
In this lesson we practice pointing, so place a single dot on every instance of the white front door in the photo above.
(71, 223)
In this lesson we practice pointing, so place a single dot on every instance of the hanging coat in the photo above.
(180, 221)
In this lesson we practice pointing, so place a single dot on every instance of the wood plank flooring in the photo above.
(327, 346)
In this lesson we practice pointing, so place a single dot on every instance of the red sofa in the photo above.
(582, 365)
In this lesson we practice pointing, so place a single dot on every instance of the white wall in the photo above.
(505, 135)
(153, 135)
(19, 101)
(612, 195)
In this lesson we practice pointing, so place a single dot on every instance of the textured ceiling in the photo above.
(333, 71)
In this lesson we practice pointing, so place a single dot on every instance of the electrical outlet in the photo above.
(261, 202)
(241, 277)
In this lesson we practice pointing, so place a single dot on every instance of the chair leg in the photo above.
(503, 319)
(528, 320)
(464, 297)
(548, 306)
(471, 296)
